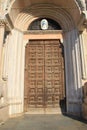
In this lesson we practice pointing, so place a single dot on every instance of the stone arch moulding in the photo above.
(79, 3)
(44, 10)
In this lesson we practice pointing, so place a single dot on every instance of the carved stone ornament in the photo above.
(82, 24)
(81, 4)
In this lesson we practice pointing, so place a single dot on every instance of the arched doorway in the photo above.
(71, 54)
(44, 69)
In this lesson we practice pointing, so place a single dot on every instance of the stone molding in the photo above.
(8, 4)
(28, 15)
(81, 4)
(82, 24)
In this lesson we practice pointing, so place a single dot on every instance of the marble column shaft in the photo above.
(73, 72)
(15, 89)
(2, 30)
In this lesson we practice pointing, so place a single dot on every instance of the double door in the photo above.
(44, 74)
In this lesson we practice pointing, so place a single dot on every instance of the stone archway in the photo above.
(72, 56)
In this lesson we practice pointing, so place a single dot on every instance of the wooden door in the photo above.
(44, 74)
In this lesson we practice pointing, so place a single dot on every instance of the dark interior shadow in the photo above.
(72, 116)
(64, 112)
(63, 105)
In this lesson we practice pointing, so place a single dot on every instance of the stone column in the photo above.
(2, 30)
(73, 72)
(15, 82)
(83, 60)
(3, 86)
(83, 40)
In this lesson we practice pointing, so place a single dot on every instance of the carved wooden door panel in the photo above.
(44, 74)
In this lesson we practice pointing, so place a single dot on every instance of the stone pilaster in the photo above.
(3, 84)
(84, 52)
(2, 31)
(73, 73)
(15, 75)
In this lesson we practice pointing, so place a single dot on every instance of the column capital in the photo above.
(82, 24)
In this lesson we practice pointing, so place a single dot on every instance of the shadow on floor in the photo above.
(63, 110)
